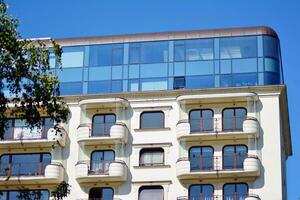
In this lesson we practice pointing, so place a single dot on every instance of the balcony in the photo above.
(214, 167)
(220, 197)
(217, 129)
(100, 171)
(111, 134)
(23, 136)
(31, 173)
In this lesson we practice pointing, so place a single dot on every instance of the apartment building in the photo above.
(191, 115)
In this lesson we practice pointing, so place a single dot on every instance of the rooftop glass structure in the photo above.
(170, 64)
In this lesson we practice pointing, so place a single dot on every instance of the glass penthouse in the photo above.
(168, 61)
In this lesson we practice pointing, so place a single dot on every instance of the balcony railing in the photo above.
(25, 133)
(97, 167)
(219, 197)
(23, 169)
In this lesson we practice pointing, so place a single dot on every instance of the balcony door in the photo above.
(201, 120)
(235, 191)
(201, 158)
(100, 161)
(201, 192)
(233, 119)
(234, 156)
(102, 124)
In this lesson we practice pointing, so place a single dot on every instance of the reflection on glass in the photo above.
(201, 192)
(100, 161)
(72, 57)
(154, 84)
(238, 47)
(234, 156)
(152, 120)
(200, 49)
(244, 65)
(271, 47)
(201, 158)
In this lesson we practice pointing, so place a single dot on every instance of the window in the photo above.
(101, 193)
(106, 55)
(151, 193)
(235, 191)
(100, 161)
(271, 47)
(234, 156)
(238, 47)
(102, 124)
(152, 157)
(233, 119)
(18, 129)
(201, 120)
(24, 164)
(72, 57)
(152, 119)
(201, 192)
(179, 82)
(25, 194)
(201, 158)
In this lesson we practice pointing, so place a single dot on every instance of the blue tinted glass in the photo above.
(271, 47)
(116, 86)
(249, 79)
(272, 65)
(72, 57)
(133, 85)
(154, 52)
(69, 75)
(271, 78)
(154, 70)
(154, 84)
(100, 55)
(225, 80)
(196, 82)
(98, 87)
(179, 52)
(134, 54)
(70, 88)
(116, 72)
(238, 47)
(244, 65)
(225, 66)
(134, 71)
(99, 73)
(200, 68)
(179, 69)
(200, 49)
(117, 56)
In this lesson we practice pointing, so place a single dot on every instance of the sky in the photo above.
(79, 18)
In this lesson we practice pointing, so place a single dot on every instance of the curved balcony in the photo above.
(23, 136)
(218, 167)
(116, 133)
(217, 129)
(103, 171)
(32, 173)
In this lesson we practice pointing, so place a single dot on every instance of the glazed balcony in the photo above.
(217, 129)
(220, 197)
(23, 136)
(31, 173)
(103, 171)
(109, 133)
(213, 167)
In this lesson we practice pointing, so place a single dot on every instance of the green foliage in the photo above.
(26, 75)
(61, 191)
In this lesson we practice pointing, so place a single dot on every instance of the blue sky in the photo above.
(75, 18)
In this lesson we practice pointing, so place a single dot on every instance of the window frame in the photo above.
(161, 150)
(235, 188)
(158, 111)
(201, 118)
(213, 154)
(104, 115)
(101, 161)
(234, 117)
(201, 188)
(232, 145)
(145, 187)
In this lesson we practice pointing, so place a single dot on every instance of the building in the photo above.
(174, 116)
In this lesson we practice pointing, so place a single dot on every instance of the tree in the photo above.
(27, 83)
(61, 191)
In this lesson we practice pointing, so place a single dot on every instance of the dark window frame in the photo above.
(176, 87)
(201, 118)
(104, 115)
(235, 188)
(103, 163)
(151, 150)
(234, 117)
(213, 151)
(201, 188)
(145, 187)
(113, 191)
(145, 112)
(232, 145)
